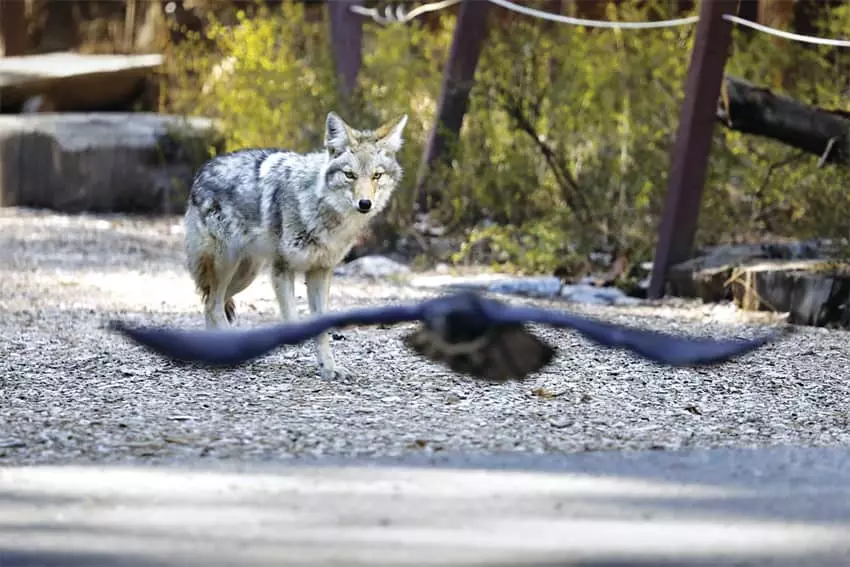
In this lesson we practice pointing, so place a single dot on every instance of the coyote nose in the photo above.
(363, 205)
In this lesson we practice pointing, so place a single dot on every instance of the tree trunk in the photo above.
(751, 109)
(346, 31)
(458, 79)
(13, 28)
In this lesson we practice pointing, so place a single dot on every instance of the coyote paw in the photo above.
(335, 372)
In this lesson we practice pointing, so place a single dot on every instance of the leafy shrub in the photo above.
(267, 79)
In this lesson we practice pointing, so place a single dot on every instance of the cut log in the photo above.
(140, 163)
(707, 275)
(73, 81)
(751, 109)
(812, 292)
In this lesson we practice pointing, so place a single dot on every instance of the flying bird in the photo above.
(471, 334)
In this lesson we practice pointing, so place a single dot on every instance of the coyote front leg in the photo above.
(318, 289)
(284, 289)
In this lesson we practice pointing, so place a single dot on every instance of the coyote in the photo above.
(300, 213)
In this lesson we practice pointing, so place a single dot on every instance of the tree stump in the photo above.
(706, 276)
(812, 292)
(134, 162)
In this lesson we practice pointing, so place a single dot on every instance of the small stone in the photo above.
(549, 286)
(588, 298)
(374, 267)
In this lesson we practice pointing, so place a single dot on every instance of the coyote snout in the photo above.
(363, 194)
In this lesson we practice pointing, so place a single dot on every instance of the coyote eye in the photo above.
(349, 174)
(377, 175)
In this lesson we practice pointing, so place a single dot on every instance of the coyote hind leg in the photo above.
(243, 275)
(213, 276)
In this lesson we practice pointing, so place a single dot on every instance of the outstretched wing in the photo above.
(658, 347)
(232, 347)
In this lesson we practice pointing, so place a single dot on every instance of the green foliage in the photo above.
(566, 144)
(761, 186)
(267, 79)
(575, 126)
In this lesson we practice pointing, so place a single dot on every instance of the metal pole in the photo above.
(13, 27)
(693, 140)
(458, 78)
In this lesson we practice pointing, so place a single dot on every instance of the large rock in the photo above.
(373, 266)
(74, 81)
(109, 162)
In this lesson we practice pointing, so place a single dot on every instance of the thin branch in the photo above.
(570, 190)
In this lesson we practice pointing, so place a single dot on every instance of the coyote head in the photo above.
(362, 172)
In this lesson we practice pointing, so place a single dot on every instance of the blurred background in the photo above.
(564, 149)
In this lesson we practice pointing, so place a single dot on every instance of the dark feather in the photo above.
(658, 347)
(232, 347)
(468, 333)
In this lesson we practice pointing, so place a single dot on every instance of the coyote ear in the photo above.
(390, 134)
(338, 134)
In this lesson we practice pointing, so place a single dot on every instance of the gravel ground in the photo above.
(72, 392)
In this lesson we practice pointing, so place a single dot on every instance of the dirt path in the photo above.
(74, 393)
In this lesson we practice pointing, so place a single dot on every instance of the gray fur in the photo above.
(300, 213)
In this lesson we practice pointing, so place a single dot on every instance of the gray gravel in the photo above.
(72, 392)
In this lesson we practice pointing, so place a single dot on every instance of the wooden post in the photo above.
(458, 77)
(130, 25)
(347, 43)
(693, 140)
(13, 27)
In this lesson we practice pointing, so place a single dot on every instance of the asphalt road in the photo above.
(779, 506)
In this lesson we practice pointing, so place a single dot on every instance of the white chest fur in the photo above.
(320, 247)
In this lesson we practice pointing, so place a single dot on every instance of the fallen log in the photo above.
(751, 109)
